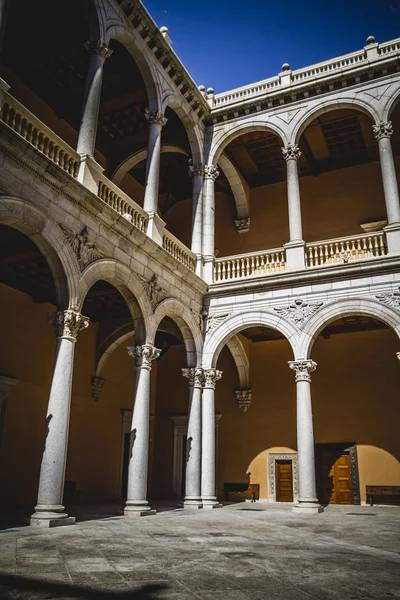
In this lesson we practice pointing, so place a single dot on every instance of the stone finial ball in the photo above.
(370, 40)
(164, 30)
(202, 88)
(285, 67)
(210, 90)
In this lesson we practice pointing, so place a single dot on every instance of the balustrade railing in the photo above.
(343, 250)
(179, 251)
(125, 206)
(247, 265)
(41, 137)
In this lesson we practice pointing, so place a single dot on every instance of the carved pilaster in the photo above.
(155, 117)
(195, 376)
(98, 47)
(243, 398)
(211, 172)
(144, 355)
(211, 377)
(383, 130)
(291, 152)
(68, 323)
(243, 225)
(302, 369)
(97, 387)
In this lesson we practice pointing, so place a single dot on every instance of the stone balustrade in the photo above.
(343, 250)
(125, 206)
(247, 265)
(41, 137)
(179, 251)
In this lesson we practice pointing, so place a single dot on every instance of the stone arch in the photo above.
(222, 138)
(239, 186)
(193, 131)
(389, 107)
(49, 238)
(186, 321)
(329, 105)
(137, 157)
(111, 343)
(217, 339)
(128, 284)
(344, 308)
(239, 355)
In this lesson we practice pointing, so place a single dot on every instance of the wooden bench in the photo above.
(242, 490)
(383, 494)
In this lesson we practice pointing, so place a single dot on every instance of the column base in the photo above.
(210, 503)
(138, 509)
(50, 516)
(295, 255)
(39, 522)
(308, 508)
(193, 503)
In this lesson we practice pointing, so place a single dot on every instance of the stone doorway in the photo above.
(274, 483)
(337, 473)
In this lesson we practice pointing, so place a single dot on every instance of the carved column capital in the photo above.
(196, 171)
(383, 130)
(302, 369)
(291, 152)
(210, 172)
(97, 387)
(144, 355)
(211, 377)
(68, 323)
(243, 398)
(195, 376)
(98, 47)
(155, 117)
(243, 225)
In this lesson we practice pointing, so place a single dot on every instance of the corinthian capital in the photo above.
(196, 170)
(98, 47)
(291, 152)
(155, 117)
(211, 377)
(68, 323)
(302, 369)
(383, 130)
(195, 376)
(144, 355)
(210, 172)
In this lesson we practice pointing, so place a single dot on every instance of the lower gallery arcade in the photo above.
(353, 370)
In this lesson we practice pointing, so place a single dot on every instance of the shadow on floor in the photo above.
(12, 587)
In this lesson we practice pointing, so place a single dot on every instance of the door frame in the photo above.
(343, 448)
(272, 458)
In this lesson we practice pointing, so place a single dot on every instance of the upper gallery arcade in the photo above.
(232, 236)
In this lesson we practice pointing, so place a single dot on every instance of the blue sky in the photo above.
(229, 43)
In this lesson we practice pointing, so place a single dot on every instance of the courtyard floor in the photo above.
(239, 552)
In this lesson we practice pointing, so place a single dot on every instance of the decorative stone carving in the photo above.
(85, 251)
(302, 369)
(155, 118)
(272, 458)
(211, 377)
(196, 170)
(154, 291)
(97, 387)
(390, 298)
(398, 355)
(243, 225)
(383, 130)
(299, 311)
(195, 376)
(68, 323)
(213, 321)
(243, 398)
(210, 172)
(98, 47)
(144, 355)
(291, 152)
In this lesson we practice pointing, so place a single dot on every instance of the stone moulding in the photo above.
(272, 458)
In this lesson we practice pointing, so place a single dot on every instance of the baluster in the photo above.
(310, 258)
(5, 112)
(358, 249)
(262, 263)
(316, 261)
(242, 268)
(352, 249)
(233, 269)
(283, 260)
(12, 117)
(376, 248)
(18, 123)
(217, 271)
(252, 265)
(381, 245)
(370, 248)
(223, 270)
(257, 263)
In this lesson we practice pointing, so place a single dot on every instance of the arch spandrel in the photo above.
(344, 308)
(217, 339)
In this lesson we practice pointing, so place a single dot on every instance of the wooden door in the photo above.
(336, 478)
(284, 481)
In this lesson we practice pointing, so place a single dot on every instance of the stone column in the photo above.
(308, 502)
(383, 132)
(210, 175)
(90, 170)
(196, 173)
(208, 461)
(5, 385)
(49, 511)
(136, 503)
(193, 443)
(295, 249)
(156, 225)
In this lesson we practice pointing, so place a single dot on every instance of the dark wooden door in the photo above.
(284, 481)
(336, 479)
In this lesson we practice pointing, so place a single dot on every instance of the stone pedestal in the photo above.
(49, 511)
(208, 461)
(295, 255)
(155, 228)
(193, 439)
(89, 173)
(136, 503)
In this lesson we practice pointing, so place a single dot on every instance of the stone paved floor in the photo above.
(238, 552)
